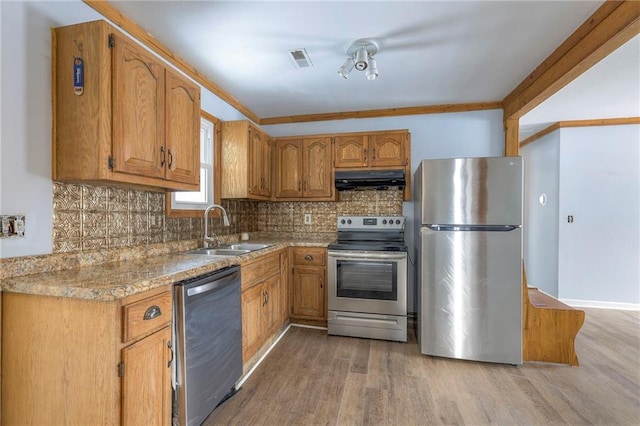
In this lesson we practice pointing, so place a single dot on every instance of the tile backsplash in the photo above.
(87, 217)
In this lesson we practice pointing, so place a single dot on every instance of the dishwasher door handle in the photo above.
(216, 284)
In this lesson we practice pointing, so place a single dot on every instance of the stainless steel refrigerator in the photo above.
(468, 214)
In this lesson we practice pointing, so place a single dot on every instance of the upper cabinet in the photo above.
(121, 115)
(246, 161)
(303, 169)
(377, 149)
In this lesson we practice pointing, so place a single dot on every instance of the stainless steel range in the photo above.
(367, 278)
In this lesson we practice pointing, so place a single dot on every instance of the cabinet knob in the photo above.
(308, 257)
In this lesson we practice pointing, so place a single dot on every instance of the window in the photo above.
(192, 204)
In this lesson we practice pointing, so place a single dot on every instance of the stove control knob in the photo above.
(343, 221)
(349, 221)
(397, 221)
(390, 221)
(384, 221)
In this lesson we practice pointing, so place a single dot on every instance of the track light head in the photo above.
(361, 59)
(346, 68)
(372, 71)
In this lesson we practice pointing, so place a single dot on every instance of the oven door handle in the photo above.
(369, 255)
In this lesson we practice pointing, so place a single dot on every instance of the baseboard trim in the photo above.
(244, 378)
(308, 326)
(577, 303)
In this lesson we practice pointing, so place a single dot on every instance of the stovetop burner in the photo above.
(370, 233)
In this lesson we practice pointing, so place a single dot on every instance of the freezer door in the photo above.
(471, 191)
(471, 295)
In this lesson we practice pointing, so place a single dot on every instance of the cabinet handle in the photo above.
(374, 153)
(299, 186)
(267, 294)
(152, 312)
(365, 154)
(170, 158)
(264, 297)
(170, 346)
(308, 257)
(304, 185)
(162, 157)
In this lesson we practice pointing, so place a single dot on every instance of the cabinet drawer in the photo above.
(312, 256)
(146, 316)
(260, 270)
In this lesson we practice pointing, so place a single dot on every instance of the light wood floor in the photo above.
(311, 378)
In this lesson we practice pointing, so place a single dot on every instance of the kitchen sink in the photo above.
(218, 252)
(229, 249)
(245, 246)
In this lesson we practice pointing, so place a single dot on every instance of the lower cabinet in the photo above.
(308, 284)
(263, 288)
(78, 361)
(146, 383)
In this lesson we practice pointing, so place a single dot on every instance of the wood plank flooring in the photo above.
(311, 378)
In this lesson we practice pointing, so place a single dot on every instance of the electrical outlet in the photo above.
(307, 218)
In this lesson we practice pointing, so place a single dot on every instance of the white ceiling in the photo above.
(431, 52)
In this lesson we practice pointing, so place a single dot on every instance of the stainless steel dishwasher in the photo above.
(208, 336)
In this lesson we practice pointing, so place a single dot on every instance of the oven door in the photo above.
(367, 281)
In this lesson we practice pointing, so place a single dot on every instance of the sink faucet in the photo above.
(225, 222)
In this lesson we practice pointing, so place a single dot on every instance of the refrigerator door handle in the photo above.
(476, 228)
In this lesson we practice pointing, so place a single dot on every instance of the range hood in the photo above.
(370, 179)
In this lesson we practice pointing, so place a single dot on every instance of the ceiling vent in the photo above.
(300, 58)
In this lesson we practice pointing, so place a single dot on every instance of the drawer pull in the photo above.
(153, 312)
(308, 257)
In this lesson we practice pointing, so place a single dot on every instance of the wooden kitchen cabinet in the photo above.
(246, 161)
(135, 121)
(82, 361)
(308, 284)
(376, 149)
(303, 169)
(383, 150)
(146, 381)
(263, 288)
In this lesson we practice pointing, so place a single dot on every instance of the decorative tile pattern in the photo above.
(90, 217)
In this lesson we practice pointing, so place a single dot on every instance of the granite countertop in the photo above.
(115, 280)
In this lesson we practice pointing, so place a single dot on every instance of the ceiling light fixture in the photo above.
(360, 56)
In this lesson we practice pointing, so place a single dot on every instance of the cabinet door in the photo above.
(350, 151)
(146, 385)
(284, 286)
(253, 301)
(182, 142)
(388, 150)
(272, 306)
(138, 110)
(288, 168)
(308, 292)
(267, 150)
(256, 162)
(318, 177)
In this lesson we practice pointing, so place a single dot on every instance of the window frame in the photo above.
(216, 175)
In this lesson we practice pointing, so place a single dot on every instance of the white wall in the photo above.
(25, 127)
(593, 174)
(541, 176)
(599, 253)
(464, 134)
